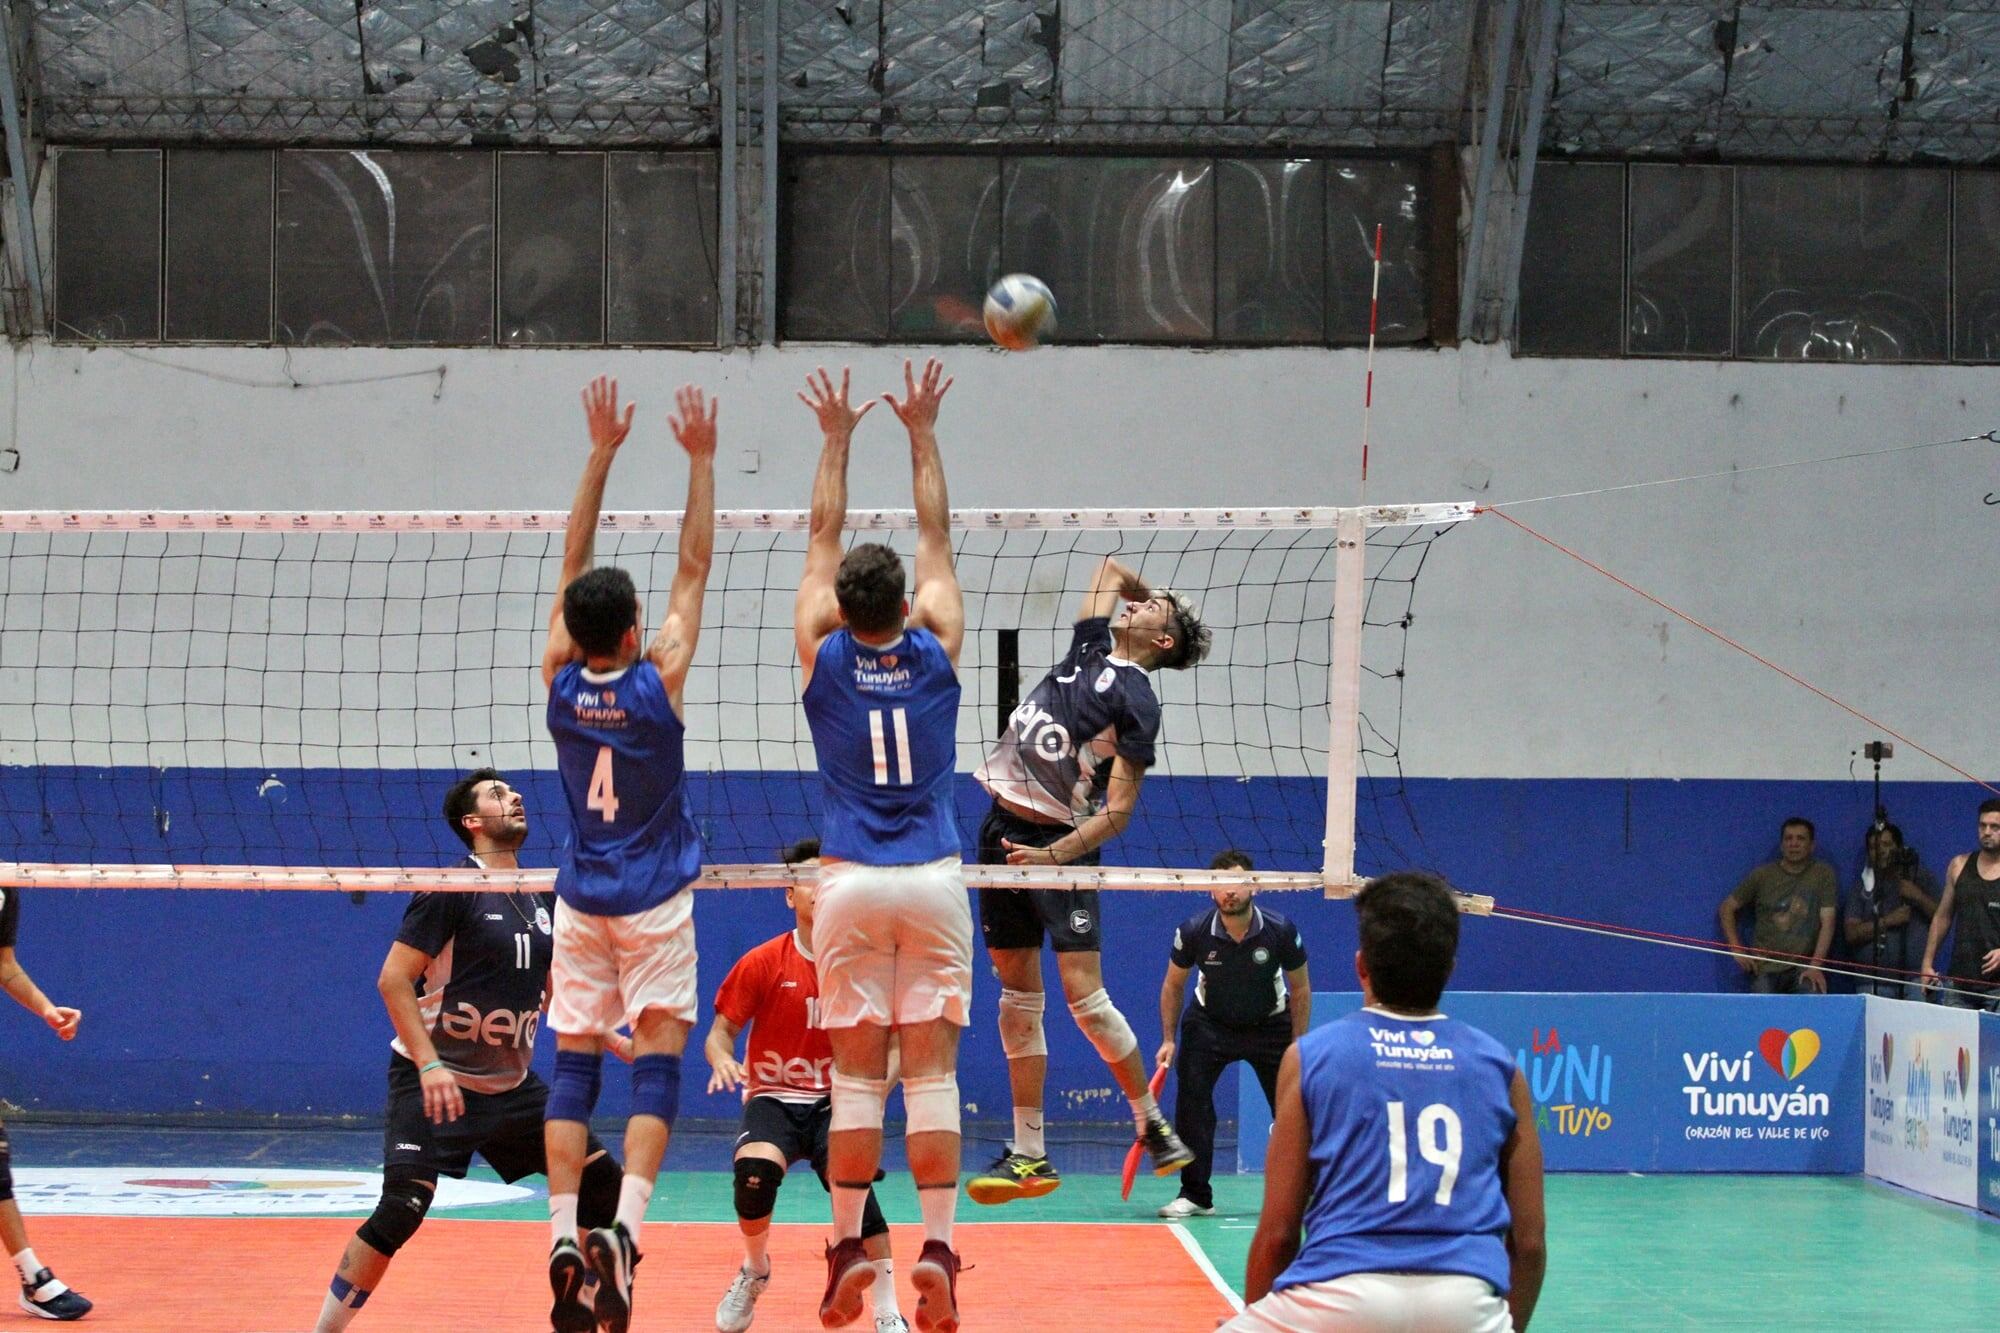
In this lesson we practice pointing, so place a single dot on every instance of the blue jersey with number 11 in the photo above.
(885, 730)
(618, 740)
(1406, 1120)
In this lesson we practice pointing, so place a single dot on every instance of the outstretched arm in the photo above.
(608, 429)
(673, 650)
(816, 612)
(14, 979)
(1121, 797)
(1114, 583)
(939, 605)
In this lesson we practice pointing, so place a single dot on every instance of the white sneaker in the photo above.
(1184, 1207)
(739, 1303)
(891, 1323)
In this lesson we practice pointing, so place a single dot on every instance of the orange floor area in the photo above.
(254, 1275)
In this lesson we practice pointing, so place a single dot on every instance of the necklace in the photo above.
(513, 899)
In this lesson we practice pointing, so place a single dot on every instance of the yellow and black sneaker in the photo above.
(1014, 1176)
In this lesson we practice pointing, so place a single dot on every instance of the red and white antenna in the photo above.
(1368, 391)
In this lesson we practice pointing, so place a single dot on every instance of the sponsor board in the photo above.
(1625, 1082)
(1989, 1112)
(1922, 1104)
(200, 1191)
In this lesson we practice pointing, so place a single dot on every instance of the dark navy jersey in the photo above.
(10, 916)
(1240, 983)
(1055, 756)
(1405, 1118)
(885, 732)
(633, 844)
(482, 995)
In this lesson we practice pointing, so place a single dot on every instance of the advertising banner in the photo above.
(1624, 1082)
(1923, 1097)
(1989, 1112)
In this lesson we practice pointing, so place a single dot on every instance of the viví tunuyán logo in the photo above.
(1958, 1125)
(1570, 1085)
(1917, 1100)
(1881, 1104)
(1723, 1090)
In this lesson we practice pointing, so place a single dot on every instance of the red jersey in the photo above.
(774, 990)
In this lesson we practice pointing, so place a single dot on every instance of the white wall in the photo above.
(1867, 577)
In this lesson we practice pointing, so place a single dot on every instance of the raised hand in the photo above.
(695, 426)
(608, 426)
(921, 395)
(836, 415)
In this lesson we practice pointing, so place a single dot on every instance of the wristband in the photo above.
(435, 1064)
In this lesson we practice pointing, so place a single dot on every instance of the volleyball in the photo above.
(1020, 311)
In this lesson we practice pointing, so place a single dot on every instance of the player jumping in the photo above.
(624, 942)
(892, 927)
(1064, 779)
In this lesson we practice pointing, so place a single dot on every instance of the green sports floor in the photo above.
(1625, 1252)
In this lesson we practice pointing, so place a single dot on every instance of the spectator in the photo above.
(1252, 999)
(1970, 910)
(1889, 914)
(1792, 902)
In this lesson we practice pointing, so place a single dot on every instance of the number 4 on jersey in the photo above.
(602, 796)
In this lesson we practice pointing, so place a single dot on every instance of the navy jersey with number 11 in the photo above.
(885, 731)
(618, 741)
(1407, 1118)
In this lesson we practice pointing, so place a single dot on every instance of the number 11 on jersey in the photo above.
(899, 722)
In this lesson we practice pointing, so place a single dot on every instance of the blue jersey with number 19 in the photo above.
(885, 730)
(618, 741)
(1406, 1120)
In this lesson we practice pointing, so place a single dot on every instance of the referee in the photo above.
(1252, 999)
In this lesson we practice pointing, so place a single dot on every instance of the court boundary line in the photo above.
(1206, 1265)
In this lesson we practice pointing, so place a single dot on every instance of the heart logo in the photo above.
(1423, 1038)
(1888, 1049)
(889, 661)
(1964, 1069)
(1789, 1054)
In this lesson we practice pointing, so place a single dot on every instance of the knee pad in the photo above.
(406, 1197)
(1105, 1026)
(872, 1222)
(932, 1104)
(6, 1166)
(656, 1086)
(573, 1094)
(857, 1102)
(1021, 1023)
(757, 1184)
(597, 1192)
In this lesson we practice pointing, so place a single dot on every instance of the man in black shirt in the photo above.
(1252, 999)
(464, 984)
(42, 1293)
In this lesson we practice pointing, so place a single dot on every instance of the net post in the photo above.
(1343, 695)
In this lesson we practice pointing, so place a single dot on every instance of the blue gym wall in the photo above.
(264, 1003)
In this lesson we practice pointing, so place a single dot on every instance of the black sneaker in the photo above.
(1014, 1175)
(612, 1257)
(569, 1276)
(63, 1305)
(1168, 1152)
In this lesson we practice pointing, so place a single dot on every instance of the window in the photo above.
(1843, 263)
(218, 245)
(1683, 261)
(384, 248)
(1271, 251)
(107, 248)
(551, 251)
(662, 264)
(1573, 262)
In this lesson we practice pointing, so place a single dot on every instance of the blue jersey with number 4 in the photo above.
(885, 729)
(633, 844)
(1406, 1118)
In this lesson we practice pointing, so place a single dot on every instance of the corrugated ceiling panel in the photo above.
(1164, 53)
(1305, 53)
